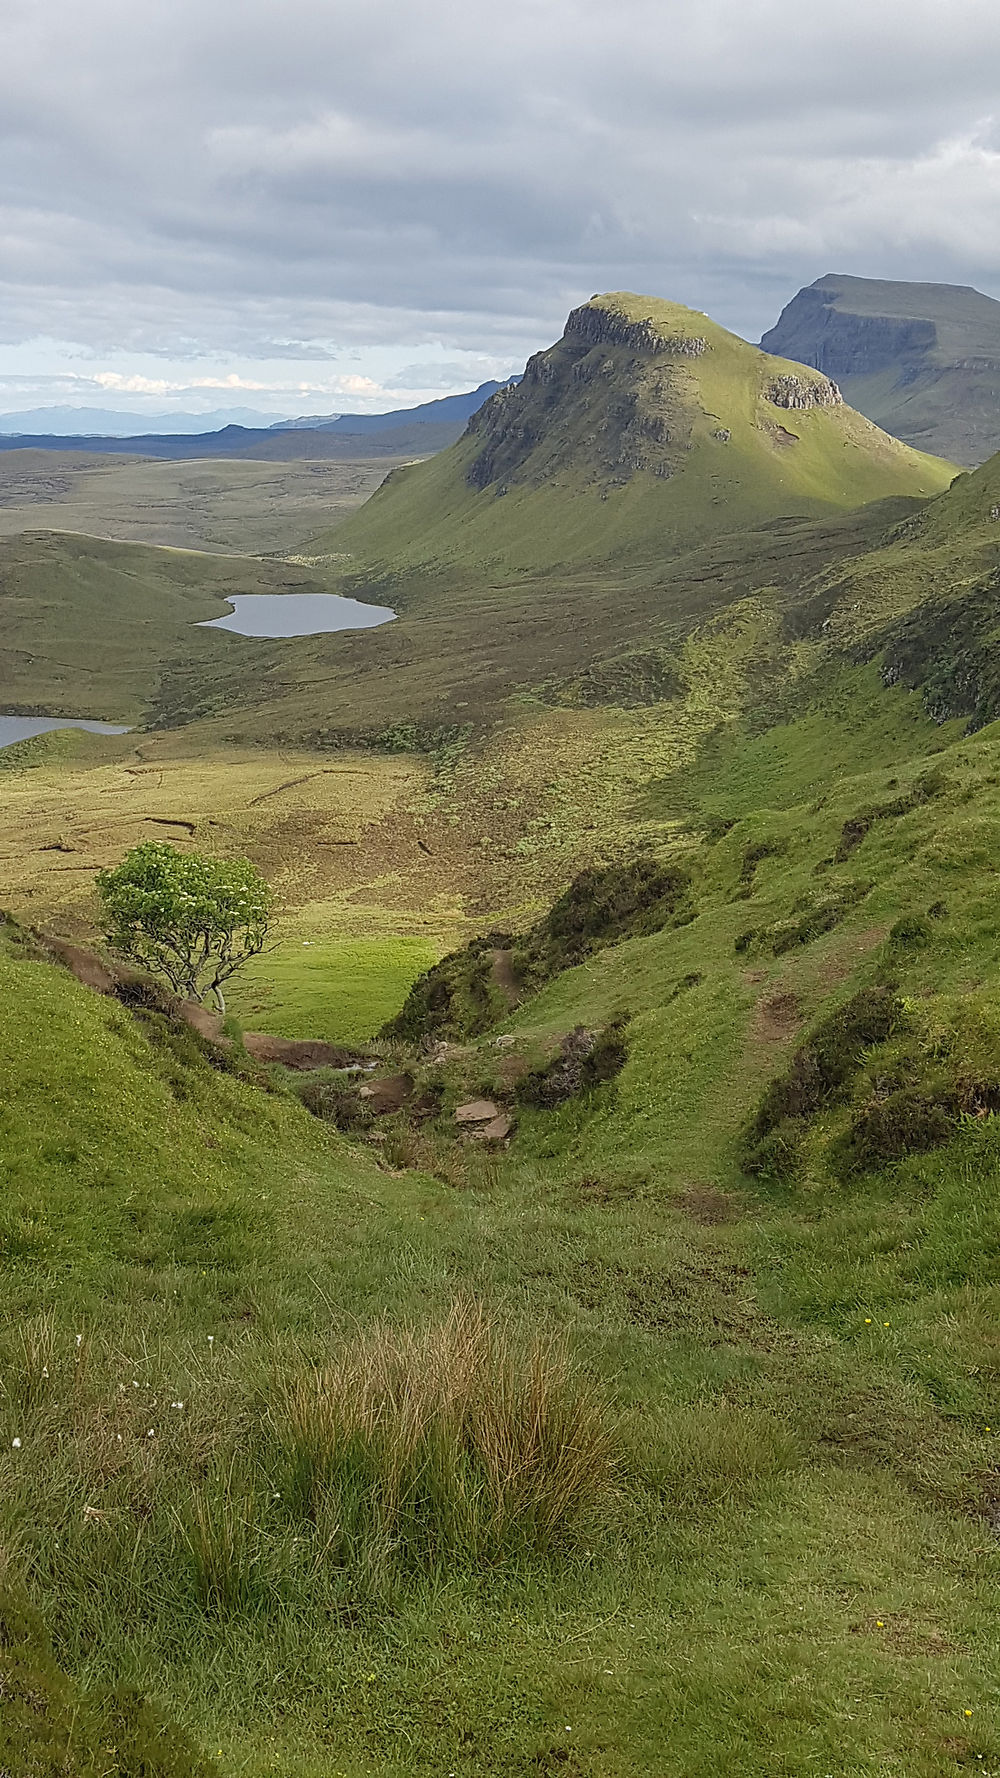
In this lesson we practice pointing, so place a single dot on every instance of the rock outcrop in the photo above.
(617, 380)
(803, 392)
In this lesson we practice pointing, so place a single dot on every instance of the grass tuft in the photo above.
(453, 1440)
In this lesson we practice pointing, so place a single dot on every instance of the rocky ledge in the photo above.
(790, 391)
(592, 326)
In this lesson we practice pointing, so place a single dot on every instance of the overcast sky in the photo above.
(310, 205)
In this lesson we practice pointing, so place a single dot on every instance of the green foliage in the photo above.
(457, 1440)
(51, 1728)
(193, 920)
(586, 1059)
(820, 1069)
(462, 996)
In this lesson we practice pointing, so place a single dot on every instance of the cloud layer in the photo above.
(295, 192)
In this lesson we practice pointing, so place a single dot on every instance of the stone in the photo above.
(497, 1130)
(477, 1111)
(388, 1094)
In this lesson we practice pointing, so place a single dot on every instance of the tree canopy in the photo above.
(191, 919)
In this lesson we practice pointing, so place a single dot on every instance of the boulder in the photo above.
(477, 1111)
(388, 1094)
(497, 1130)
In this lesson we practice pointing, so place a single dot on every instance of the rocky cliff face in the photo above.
(790, 391)
(592, 326)
(812, 331)
(609, 399)
(921, 360)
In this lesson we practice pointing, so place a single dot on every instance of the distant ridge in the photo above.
(458, 408)
(101, 422)
(406, 432)
(921, 360)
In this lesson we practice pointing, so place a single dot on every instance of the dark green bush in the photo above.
(586, 1060)
(908, 1122)
(460, 997)
(824, 1065)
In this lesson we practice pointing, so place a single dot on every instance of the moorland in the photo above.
(603, 1381)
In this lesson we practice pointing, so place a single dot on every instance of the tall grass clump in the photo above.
(459, 1440)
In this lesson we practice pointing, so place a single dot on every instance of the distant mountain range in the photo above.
(416, 431)
(74, 422)
(459, 408)
(921, 360)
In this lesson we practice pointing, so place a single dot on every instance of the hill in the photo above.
(752, 1072)
(645, 430)
(922, 360)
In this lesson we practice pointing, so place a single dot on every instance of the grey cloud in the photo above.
(187, 178)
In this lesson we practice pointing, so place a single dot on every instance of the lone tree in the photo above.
(194, 920)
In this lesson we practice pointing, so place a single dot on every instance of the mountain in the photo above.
(416, 431)
(253, 443)
(645, 429)
(921, 360)
(449, 409)
(76, 422)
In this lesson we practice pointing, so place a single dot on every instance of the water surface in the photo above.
(21, 728)
(297, 614)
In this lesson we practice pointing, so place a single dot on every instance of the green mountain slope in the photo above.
(769, 1233)
(922, 360)
(645, 430)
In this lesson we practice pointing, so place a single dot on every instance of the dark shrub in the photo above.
(825, 1063)
(460, 997)
(776, 1155)
(335, 1104)
(586, 1060)
(912, 932)
(908, 1122)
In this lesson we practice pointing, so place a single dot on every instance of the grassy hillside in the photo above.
(645, 430)
(659, 1435)
(796, 1361)
(922, 360)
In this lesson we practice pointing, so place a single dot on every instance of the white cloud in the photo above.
(235, 183)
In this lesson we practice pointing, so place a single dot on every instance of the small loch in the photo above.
(297, 614)
(21, 728)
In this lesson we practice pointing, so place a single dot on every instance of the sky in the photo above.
(312, 206)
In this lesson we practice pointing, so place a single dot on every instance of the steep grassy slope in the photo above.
(645, 430)
(801, 1572)
(922, 360)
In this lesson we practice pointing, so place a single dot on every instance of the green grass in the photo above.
(799, 1571)
(220, 505)
(342, 990)
(338, 1556)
